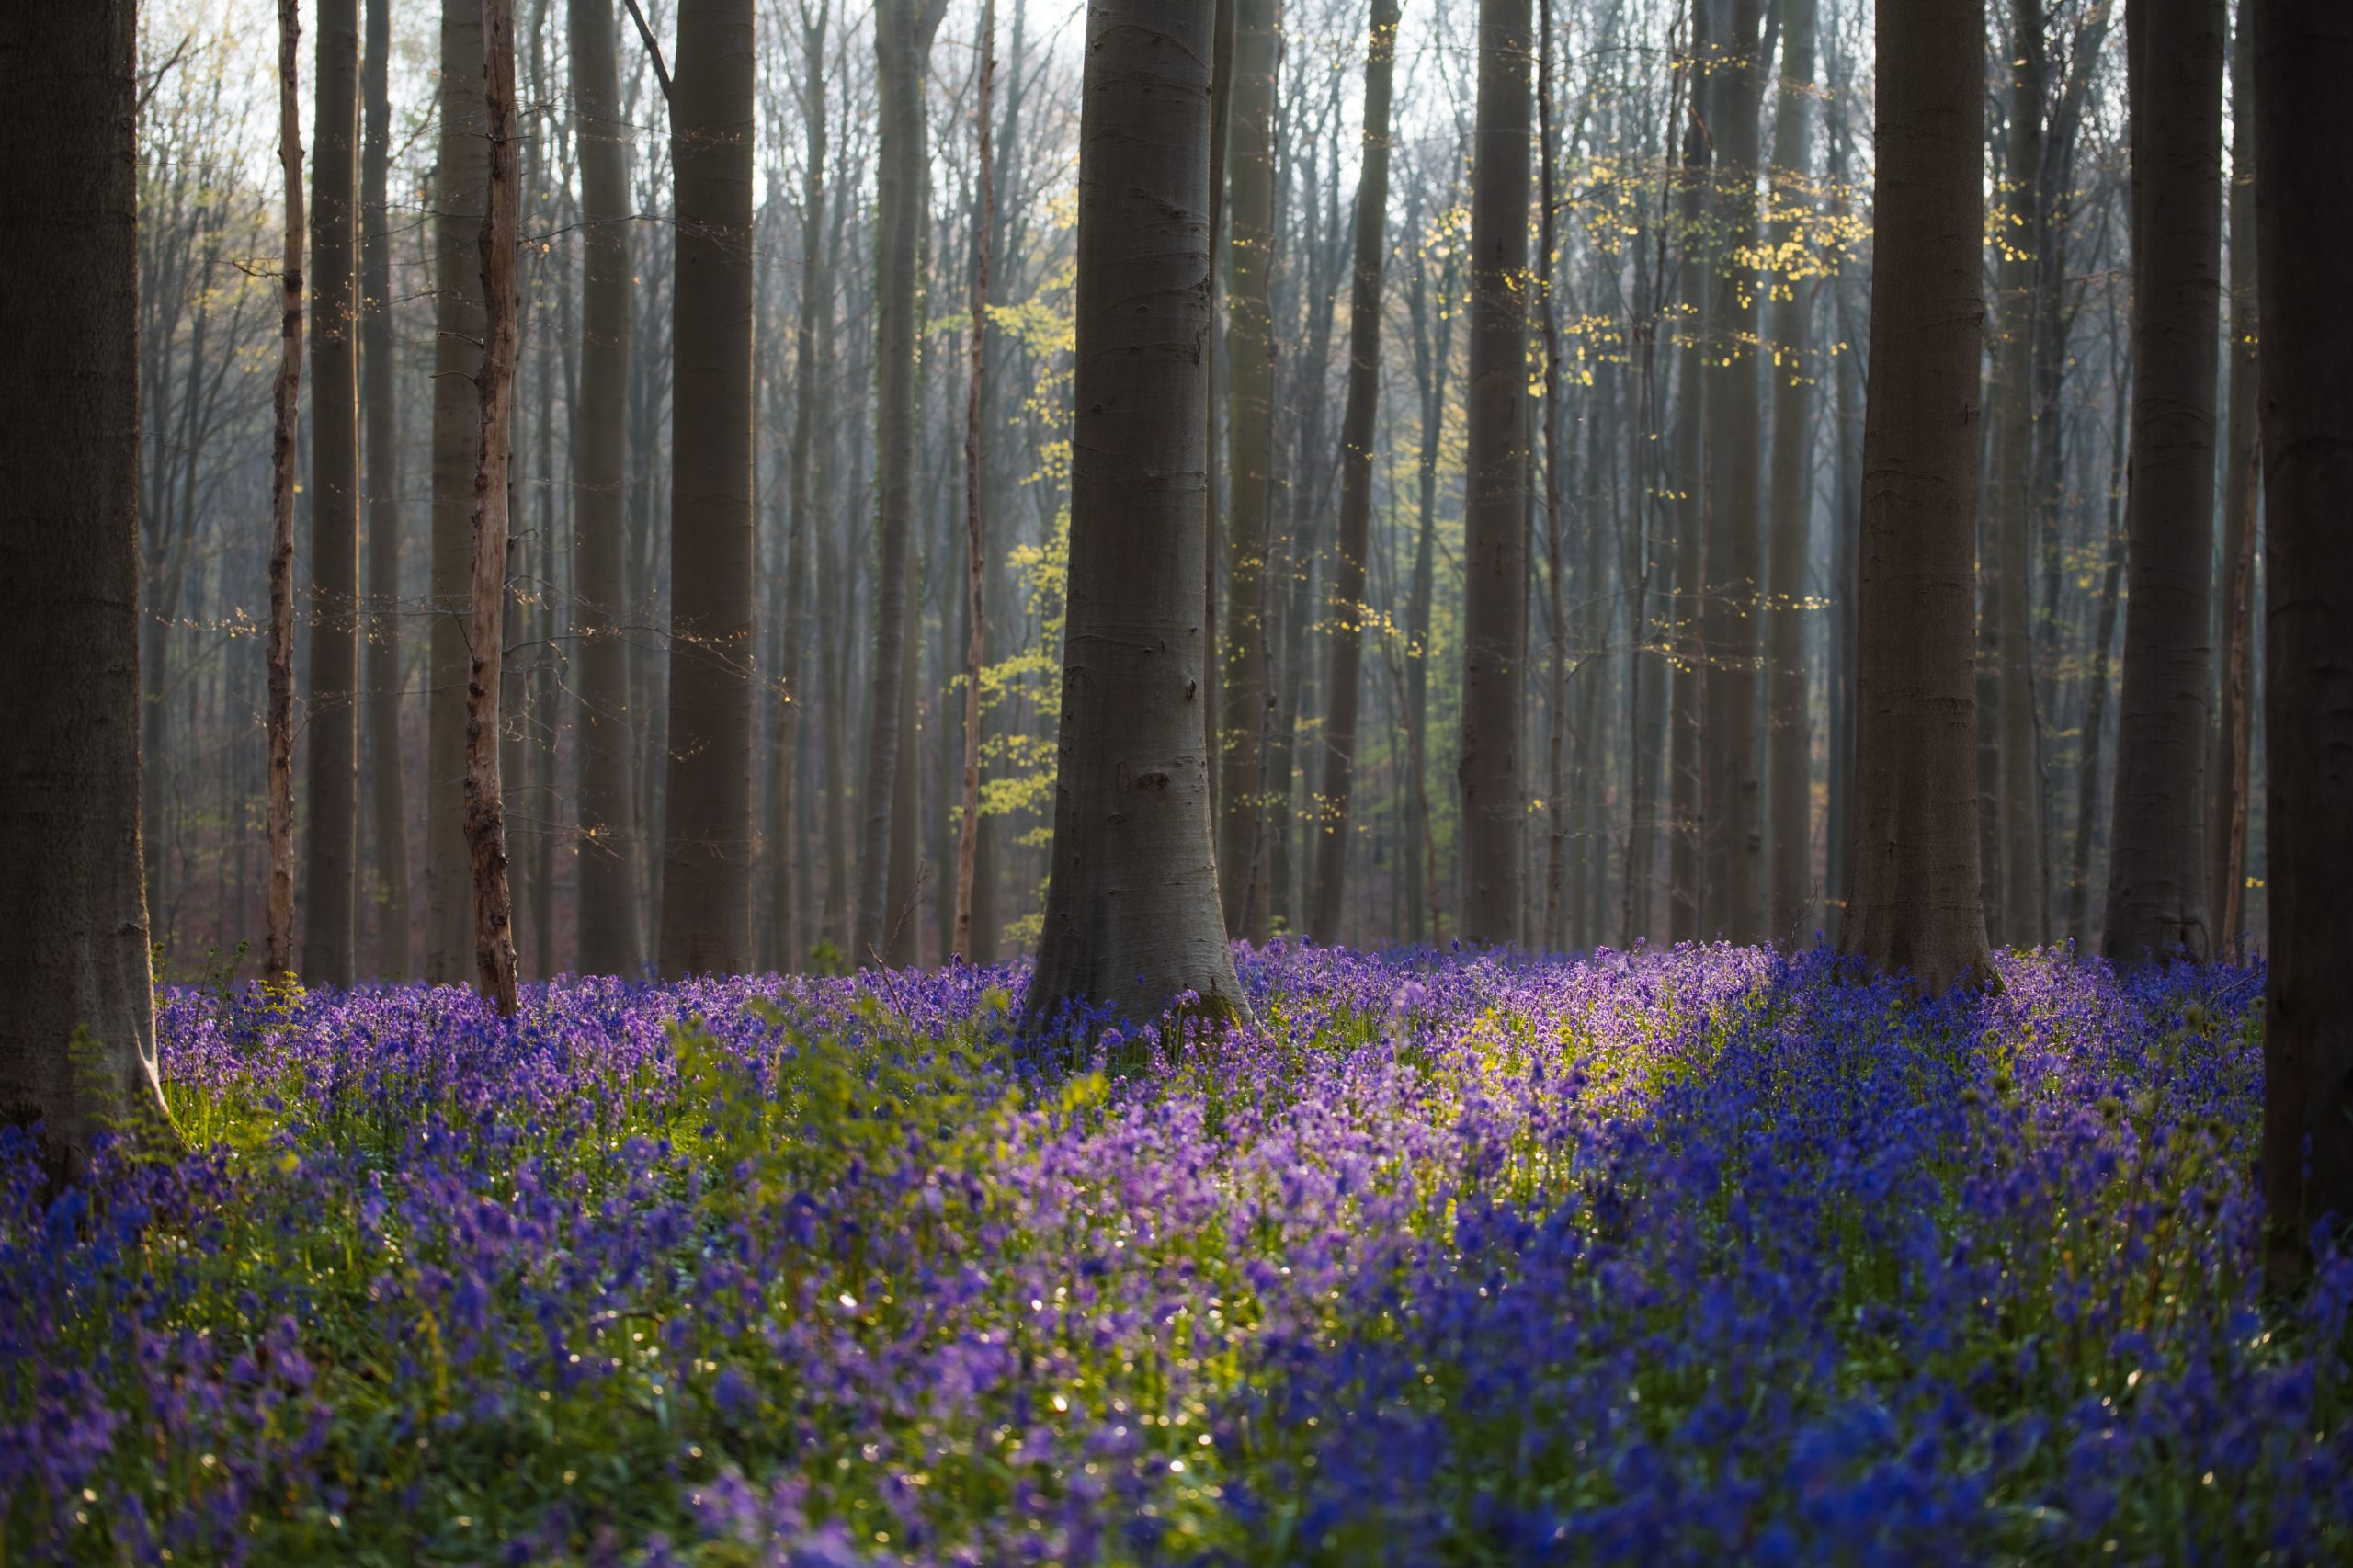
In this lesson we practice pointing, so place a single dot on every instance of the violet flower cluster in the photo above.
(1703, 1255)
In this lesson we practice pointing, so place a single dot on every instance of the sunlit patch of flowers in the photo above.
(1708, 1255)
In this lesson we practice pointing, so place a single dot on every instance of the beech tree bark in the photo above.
(1242, 782)
(968, 829)
(902, 34)
(1133, 921)
(1687, 823)
(378, 410)
(2242, 487)
(612, 933)
(1915, 903)
(1789, 739)
(1495, 802)
(485, 635)
(76, 1000)
(332, 836)
(2017, 794)
(1349, 609)
(278, 784)
(2157, 882)
(460, 169)
(2304, 195)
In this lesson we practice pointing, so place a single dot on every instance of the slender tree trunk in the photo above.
(2095, 680)
(1846, 508)
(1556, 685)
(1789, 737)
(1731, 780)
(903, 35)
(1495, 802)
(902, 946)
(380, 404)
(460, 172)
(1243, 783)
(1916, 906)
(1687, 831)
(2018, 792)
(1133, 920)
(1349, 609)
(76, 1001)
(1433, 355)
(1221, 126)
(331, 841)
(613, 933)
(968, 832)
(707, 808)
(277, 797)
(2242, 488)
(485, 636)
(2303, 56)
(2156, 880)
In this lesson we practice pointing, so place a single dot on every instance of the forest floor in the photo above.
(1710, 1257)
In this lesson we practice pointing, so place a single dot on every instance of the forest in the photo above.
(1212, 781)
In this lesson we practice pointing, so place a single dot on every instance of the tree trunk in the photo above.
(1494, 803)
(1789, 739)
(707, 808)
(460, 172)
(903, 35)
(902, 945)
(380, 406)
(333, 838)
(1433, 356)
(1556, 685)
(76, 999)
(2096, 679)
(1348, 610)
(2017, 793)
(1916, 905)
(1133, 921)
(1687, 892)
(968, 830)
(2156, 880)
(1242, 783)
(613, 933)
(1730, 786)
(2303, 56)
(2242, 487)
(278, 787)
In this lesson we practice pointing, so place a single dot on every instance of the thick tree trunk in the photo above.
(707, 806)
(1916, 905)
(1349, 609)
(278, 785)
(2156, 880)
(380, 404)
(968, 825)
(1687, 894)
(76, 1004)
(903, 35)
(1243, 783)
(2303, 56)
(2242, 487)
(486, 623)
(1495, 802)
(1731, 783)
(612, 932)
(2017, 794)
(1789, 739)
(1133, 921)
(331, 838)
(459, 170)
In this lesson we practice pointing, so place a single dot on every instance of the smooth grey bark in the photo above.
(1242, 678)
(2226, 820)
(2304, 194)
(1915, 904)
(1494, 804)
(612, 932)
(1687, 699)
(1349, 609)
(1789, 735)
(2156, 882)
(77, 1004)
(460, 169)
(379, 413)
(707, 804)
(332, 835)
(1133, 921)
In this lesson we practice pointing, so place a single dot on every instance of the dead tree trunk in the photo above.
(1916, 905)
(1133, 921)
(76, 1000)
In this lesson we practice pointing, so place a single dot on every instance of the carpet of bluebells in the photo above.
(1708, 1255)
